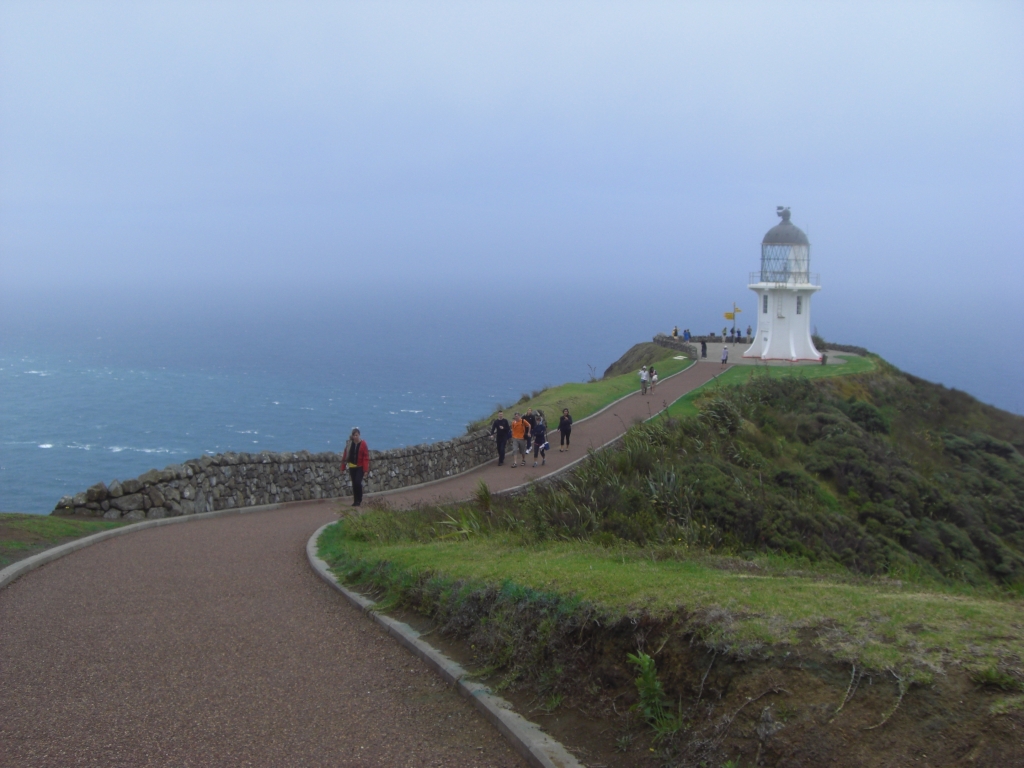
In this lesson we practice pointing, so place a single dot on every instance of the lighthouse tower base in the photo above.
(783, 322)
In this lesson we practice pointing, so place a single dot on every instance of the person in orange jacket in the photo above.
(357, 461)
(520, 429)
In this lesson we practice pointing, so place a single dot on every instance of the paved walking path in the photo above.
(586, 434)
(213, 643)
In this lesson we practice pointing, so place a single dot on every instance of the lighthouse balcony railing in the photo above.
(785, 277)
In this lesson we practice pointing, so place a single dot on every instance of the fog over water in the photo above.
(477, 199)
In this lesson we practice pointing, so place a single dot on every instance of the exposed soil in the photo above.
(780, 710)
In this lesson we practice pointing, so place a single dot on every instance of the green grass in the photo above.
(765, 602)
(740, 374)
(584, 399)
(24, 535)
(877, 624)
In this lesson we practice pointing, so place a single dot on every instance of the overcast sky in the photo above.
(385, 147)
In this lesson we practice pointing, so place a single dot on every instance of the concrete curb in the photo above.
(529, 740)
(20, 568)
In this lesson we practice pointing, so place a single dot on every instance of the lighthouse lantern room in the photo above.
(784, 287)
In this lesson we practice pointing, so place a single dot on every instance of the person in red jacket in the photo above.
(357, 461)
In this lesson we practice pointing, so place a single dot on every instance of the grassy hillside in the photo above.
(741, 374)
(646, 353)
(24, 535)
(870, 520)
(879, 473)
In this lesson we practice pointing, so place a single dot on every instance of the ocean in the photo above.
(104, 396)
(114, 399)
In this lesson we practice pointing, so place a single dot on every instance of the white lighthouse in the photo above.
(784, 287)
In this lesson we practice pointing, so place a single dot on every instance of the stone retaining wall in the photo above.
(713, 339)
(851, 348)
(232, 480)
(676, 343)
(826, 346)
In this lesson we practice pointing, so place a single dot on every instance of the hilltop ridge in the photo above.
(791, 533)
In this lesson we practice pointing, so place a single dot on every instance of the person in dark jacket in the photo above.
(703, 349)
(540, 436)
(530, 419)
(564, 429)
(357, 461)
(502, 431)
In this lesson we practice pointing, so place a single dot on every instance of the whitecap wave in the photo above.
(46, 445)
(120, 448)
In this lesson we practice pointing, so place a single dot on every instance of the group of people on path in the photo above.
(704, 352)
(735, 335)
(528, 433)
(687, 336)
(648, 378)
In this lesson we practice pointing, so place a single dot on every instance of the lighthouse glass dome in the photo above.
(785, 254)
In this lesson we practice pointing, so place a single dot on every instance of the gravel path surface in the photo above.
(213, 643)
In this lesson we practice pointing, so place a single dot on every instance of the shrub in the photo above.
(791, 466)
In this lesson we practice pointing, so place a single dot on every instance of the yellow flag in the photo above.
(737, 309)
(730, 316)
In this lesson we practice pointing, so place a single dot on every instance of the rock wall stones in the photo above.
(851, 348)
(231, 480)
(677, 344)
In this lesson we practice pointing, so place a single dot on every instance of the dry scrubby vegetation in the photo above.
(877, 519)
